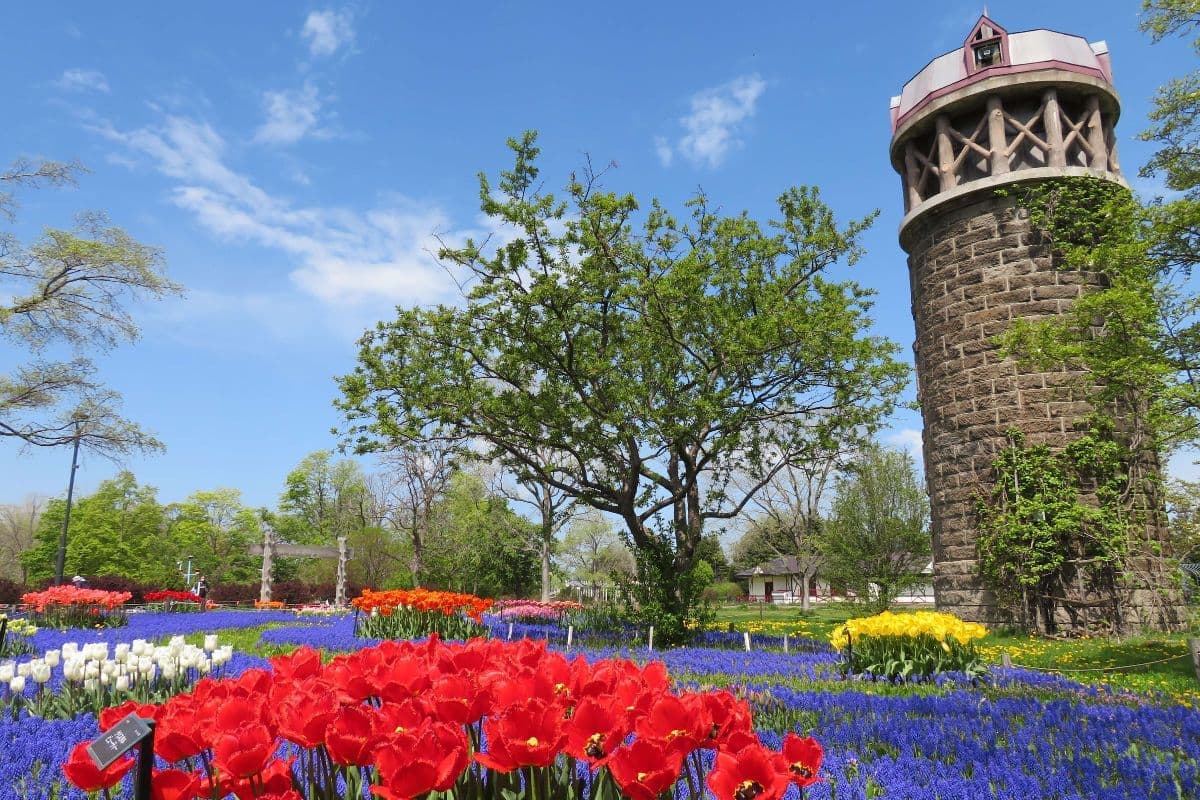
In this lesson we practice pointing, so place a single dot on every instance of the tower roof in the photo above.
(990, 50)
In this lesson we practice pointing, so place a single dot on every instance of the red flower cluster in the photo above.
(171, 595)
(67, 595)
(411, 717)
(424, 600)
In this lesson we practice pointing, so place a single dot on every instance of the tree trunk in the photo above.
(545, 567)
(417, 563)
(804, 588)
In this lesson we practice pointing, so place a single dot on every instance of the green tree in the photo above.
(654, 360)
(592, 553)
(328, 498)
(216, 530)
(712, 552)
(877, 539)
(69, 290)
(477, 543)
(118, 530)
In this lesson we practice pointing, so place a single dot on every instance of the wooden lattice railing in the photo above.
(993, 140)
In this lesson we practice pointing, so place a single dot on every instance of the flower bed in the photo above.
(71, 607)
(90, 680)
(413, 613)
(481, 716)
(897, 646)
(172, 600)
(1015, 735)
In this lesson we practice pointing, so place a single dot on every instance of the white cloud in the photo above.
(83, 80)
(327, 31)
(662, 148)
(908, 439)
(291, 115)
(342, 257)
(713, 126)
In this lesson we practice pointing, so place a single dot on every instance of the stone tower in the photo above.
(1002, 110)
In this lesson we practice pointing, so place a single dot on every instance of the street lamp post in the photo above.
(62, 536)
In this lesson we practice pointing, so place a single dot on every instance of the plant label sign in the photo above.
(117, 740)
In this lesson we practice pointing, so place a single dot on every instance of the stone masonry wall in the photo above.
(973, 269)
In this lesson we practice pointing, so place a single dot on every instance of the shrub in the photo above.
(722, 592)
(10, 592)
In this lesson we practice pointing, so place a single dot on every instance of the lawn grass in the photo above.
(1120, 663)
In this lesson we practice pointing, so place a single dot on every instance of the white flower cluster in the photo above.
(131, 664)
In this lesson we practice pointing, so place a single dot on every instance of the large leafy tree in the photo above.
(478, 544)
(69, 289)
(325, 498)
(118, 530)
(654, 357)
(213, 528)
(877, 539)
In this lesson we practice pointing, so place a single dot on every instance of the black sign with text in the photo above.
(117, 740)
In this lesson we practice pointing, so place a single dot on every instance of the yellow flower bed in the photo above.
(931, 623)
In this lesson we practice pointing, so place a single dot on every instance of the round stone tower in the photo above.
(1004, 109)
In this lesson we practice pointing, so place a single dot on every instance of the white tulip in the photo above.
(17, 684)
(23, 669)
(90, 684)
(122, 683)
(210, 642)
(52, 658)
(40, 672)
(7, 670)
(121, 652)
(70, 649)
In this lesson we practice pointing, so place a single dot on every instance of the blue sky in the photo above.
(294, 162)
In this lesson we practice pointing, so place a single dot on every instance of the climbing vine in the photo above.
(1055, 531)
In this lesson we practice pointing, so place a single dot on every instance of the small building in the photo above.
(780, 580)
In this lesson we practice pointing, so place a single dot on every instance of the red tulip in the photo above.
(304, 662)
(83, 772)
(174, 784)
(459, 699)
(530, 734)
(179, 726)
(594, 731)
(244, 751)
(114, 714)
(682, 726)
(645, 769)
(350, 738)
(303, 710)
(729, 716)
(414, 762)
(752, 774)
(802, 759)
